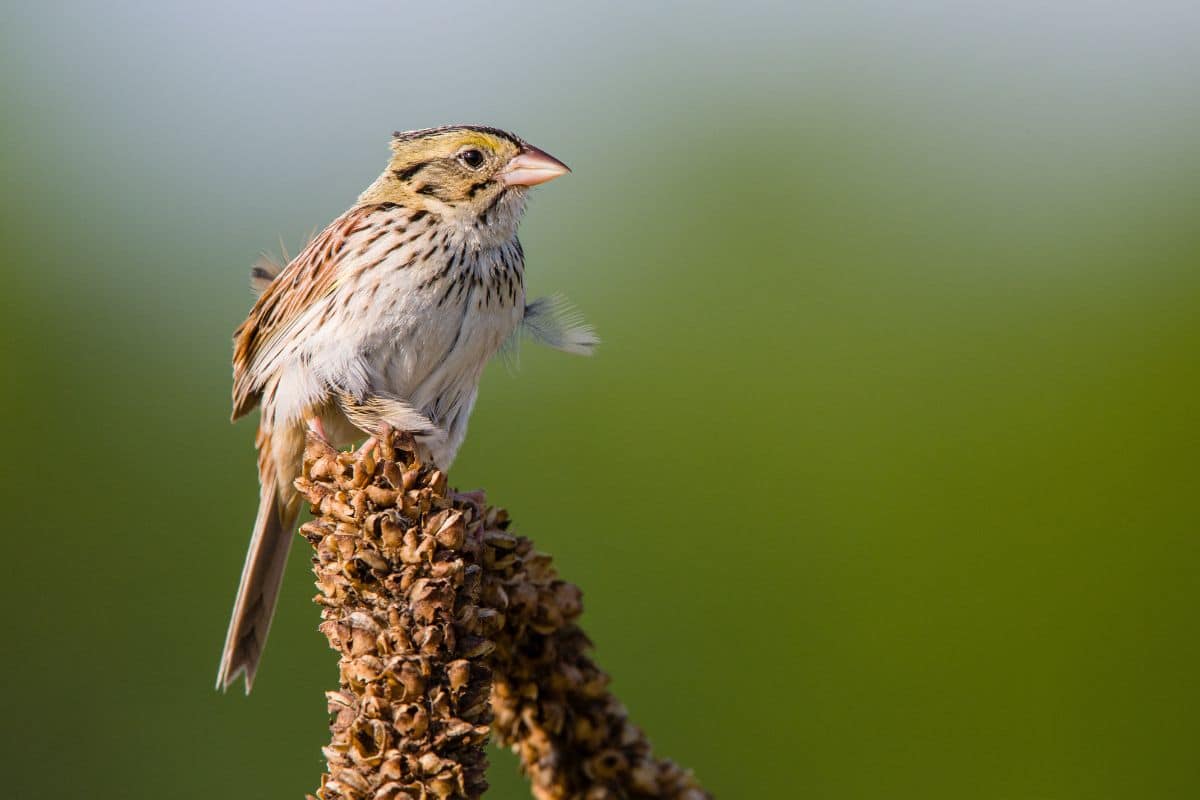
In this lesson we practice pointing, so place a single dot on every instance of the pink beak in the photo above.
(532, 166)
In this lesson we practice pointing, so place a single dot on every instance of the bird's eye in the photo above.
(472, 158)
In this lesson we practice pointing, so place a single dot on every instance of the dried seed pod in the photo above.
(452, 530)
(381, 496)
(458, 672)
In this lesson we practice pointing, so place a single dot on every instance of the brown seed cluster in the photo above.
(400, 605)
(434, 607)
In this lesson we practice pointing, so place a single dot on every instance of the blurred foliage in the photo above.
(882, 485)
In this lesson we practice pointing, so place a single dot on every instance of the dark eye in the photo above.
(472, 158)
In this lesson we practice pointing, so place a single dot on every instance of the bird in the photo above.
(387, 317)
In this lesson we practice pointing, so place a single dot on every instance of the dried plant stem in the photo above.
(434, 607)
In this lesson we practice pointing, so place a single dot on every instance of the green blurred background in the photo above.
(883, 484)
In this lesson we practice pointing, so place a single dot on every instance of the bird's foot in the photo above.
(366, 447)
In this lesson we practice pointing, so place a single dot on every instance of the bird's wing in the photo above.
(308, 279)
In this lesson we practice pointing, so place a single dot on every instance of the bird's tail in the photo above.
(261, 575)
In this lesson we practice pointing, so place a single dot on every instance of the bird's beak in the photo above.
(532, 166)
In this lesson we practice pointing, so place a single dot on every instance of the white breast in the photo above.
(437, 366)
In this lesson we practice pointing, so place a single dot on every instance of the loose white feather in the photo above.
(554, 322)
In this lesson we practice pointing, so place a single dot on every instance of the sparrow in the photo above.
(387, 317)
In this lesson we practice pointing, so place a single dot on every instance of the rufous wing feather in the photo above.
(309, 277)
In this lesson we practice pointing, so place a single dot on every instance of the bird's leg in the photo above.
(317, 426)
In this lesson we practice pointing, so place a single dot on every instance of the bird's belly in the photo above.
(436, 363)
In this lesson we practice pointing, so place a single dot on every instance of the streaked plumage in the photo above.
(388, 316)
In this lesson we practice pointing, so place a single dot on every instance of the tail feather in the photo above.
(268, 266)
(262, 576)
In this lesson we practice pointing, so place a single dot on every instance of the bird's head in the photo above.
(465, 173)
